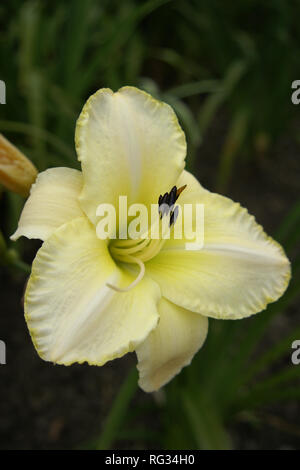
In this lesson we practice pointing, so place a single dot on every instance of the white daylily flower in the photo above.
(131, 144)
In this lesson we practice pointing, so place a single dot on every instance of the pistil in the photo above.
(142, 250)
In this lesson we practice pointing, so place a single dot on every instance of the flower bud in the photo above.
(17, 173)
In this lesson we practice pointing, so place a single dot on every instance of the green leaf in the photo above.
(118, 411)
(206, 424)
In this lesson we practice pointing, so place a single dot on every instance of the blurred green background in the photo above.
(227, 71)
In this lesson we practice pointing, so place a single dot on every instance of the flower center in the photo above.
(138, 251)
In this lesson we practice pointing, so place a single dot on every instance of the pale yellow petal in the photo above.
(53, 201)
(129, 144)
(171, 346)
(238, 271)
(71, 314)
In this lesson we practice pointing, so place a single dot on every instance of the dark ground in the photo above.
(47, 407)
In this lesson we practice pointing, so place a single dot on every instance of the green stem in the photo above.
(118, 411)
(206, 423)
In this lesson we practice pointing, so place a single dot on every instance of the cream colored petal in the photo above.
(129, 144)
(171, 346)
(53, 201)
(238, 271)
(71, 314)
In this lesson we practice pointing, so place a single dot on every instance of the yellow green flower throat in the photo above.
(143, 249)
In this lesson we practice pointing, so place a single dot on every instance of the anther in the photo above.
(162, 202)
(167, 201)
(179, 191)
(172, 196)
(174, 215)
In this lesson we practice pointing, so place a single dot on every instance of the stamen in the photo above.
(172, 196)
(174, 215)
(164, 199)
(130, 259)
(123, 250)
(167, 201)
(163, 203)
(145, 248)
(179, 191)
